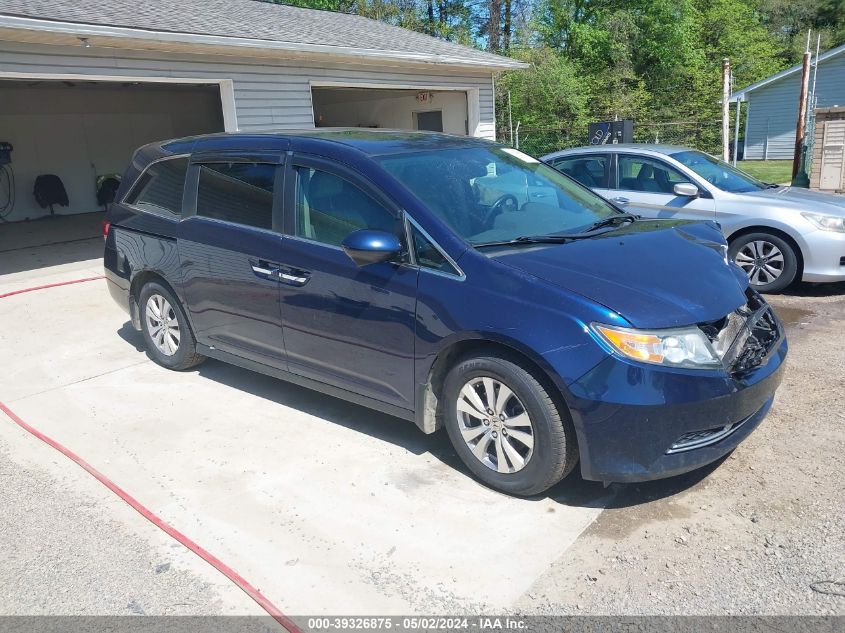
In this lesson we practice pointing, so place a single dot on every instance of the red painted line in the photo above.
(160, 523)
(55, 285)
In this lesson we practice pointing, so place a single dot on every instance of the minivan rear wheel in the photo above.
(506, 427)
(165, 327)
(769, 261)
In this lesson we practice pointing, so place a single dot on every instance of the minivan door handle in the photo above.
(293, 276)
(265, 269)
(621, 200)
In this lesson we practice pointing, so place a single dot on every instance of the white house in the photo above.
(772, 109)
(85, 82)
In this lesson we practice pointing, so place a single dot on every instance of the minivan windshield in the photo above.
(719, 173)
(491, 194)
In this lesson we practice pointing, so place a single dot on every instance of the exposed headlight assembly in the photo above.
(685, 347)
(826, 222)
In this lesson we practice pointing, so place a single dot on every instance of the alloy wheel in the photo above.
(162, 324)
(762, 261)
(495, 425)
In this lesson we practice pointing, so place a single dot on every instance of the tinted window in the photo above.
(428, 255)
(159, 189)
(328, 208)
(588, 170)
(637, 173)
(237, 192)
(488, 193)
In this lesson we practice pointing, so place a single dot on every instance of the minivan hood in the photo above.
(801, 199)
(655, 273)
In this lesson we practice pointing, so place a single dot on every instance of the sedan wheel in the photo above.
(762, 261)
(769, 261)
(162, 324)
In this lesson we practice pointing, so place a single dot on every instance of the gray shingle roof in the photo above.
(250, 19)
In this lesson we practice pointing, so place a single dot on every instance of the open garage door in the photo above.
(402, 109)
(73, 134)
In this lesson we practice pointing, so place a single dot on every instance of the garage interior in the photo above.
(434, 110)
(83, 131)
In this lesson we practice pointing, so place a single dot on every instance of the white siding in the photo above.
(269, 94)
(773, 110)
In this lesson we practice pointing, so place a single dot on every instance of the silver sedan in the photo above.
(776, 234)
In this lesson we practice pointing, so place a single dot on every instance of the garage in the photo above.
(75, 137)
(405, 109)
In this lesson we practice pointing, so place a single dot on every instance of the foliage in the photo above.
(651, 60)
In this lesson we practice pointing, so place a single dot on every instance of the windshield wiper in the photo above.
(563, 238)
(531, 239)
(613, 219)
(536, 239)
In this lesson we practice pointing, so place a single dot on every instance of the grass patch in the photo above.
(776, 171)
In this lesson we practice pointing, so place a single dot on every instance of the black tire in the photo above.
(185, 355)
(745, 244)
(554, 452)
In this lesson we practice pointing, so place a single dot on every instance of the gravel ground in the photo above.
(65, 554)
(761, 533)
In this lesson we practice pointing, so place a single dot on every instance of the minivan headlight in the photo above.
(826, 222)
(679, 347)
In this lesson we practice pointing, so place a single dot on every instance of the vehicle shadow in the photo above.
(815, 290)
(572, 491)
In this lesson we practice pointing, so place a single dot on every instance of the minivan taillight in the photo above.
(106, 225)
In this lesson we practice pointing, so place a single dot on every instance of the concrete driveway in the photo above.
(327, 507)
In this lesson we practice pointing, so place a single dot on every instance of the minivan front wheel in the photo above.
(770, 262)
(168, 336)
(506, 427)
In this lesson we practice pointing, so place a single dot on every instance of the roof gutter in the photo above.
(246, 44)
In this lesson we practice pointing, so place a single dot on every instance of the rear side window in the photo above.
(590, 171)
(237, 192)
(159, 189)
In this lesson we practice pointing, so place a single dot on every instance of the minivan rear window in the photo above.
(237, 192)
(159, 189)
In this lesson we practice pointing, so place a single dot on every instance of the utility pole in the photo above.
(726, 109)
(802, 111)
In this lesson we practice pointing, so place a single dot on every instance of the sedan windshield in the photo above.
(491, 194)
(719, 173)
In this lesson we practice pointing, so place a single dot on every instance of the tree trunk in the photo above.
(508, 27)
(494, 32)
(430, 29)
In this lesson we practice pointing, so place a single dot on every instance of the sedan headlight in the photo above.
(826, 222)
(680, 347)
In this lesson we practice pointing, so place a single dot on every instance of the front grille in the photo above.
(744, 338)
(699, 439)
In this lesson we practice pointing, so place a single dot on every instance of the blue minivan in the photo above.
(453, 282)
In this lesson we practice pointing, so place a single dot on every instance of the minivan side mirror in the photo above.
(686, 189)
(366, 247)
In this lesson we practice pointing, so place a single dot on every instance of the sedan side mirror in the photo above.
(686, 190)
(366, 247)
